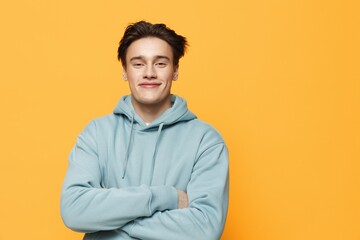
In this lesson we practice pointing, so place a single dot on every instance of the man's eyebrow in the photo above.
(136, 58)
(156, 57)
(161, 57)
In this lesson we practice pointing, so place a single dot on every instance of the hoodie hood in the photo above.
(177, 113)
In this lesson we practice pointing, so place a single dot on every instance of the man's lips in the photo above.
(149, 84)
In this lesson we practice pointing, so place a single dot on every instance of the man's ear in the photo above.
(176, 73)
(124, 76)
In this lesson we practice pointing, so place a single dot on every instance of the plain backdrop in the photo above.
(279, 79)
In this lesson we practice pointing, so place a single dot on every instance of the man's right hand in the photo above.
(182, 199)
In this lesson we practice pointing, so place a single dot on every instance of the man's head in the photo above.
(144, 29)
(150, 55)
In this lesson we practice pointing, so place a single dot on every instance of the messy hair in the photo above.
(144, 29)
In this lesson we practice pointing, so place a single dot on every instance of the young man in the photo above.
(150, 170)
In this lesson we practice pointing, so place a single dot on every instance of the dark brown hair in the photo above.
(143, 29)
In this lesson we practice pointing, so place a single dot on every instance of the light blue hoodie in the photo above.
(123, 174)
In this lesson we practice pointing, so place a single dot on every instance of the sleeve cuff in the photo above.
(163, 198)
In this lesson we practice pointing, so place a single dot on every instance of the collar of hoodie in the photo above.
(130, 140)
(177, 113)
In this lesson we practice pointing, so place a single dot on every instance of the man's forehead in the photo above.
(149, 47)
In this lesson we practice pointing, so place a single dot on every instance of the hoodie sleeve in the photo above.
(88, 207)
(204, 219)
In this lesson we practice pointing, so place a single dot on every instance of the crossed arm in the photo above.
(203, 219)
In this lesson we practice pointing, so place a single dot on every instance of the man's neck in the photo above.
(150, 112)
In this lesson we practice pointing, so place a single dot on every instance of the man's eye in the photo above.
(161, 64)
(137, 64)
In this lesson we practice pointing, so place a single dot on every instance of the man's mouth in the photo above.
(149, 85)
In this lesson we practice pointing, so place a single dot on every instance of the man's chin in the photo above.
(156, 102)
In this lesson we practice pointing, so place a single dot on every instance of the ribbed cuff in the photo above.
(163, 198)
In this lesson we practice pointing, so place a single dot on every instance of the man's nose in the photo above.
(150, 72)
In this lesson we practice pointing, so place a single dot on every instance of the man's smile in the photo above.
(149, 84)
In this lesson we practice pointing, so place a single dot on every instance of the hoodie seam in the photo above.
(198, 155)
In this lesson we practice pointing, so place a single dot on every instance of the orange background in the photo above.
(279, 79)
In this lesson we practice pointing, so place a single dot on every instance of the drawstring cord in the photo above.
(156, 147)
(128, 147)
(157, 140)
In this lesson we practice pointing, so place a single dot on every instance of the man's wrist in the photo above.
(182, 199)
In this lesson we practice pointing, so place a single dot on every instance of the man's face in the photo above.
(150, 71)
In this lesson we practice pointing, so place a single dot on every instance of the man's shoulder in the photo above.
(207, 130)
(200, 124)
(101, 123)
(105, 120)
